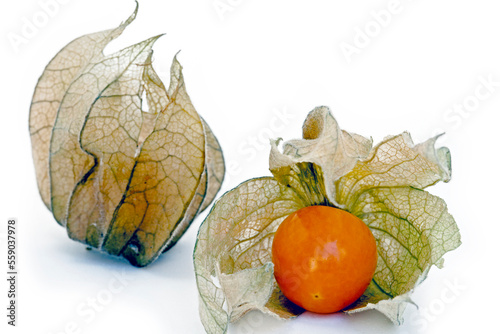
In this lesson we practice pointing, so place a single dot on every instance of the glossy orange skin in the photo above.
(324, 258)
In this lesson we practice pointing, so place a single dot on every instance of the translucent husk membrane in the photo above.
(382, 185)
(119, 176)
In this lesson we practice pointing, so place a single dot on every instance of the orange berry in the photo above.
(324, 258)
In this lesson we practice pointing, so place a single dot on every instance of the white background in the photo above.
(254, 71)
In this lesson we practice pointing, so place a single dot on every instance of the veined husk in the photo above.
(120, 177)
(382, 185)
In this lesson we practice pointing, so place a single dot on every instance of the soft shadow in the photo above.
(176, 263)
(370, 321)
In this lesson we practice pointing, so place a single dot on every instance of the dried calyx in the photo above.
(121, 179)
(382, 185)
